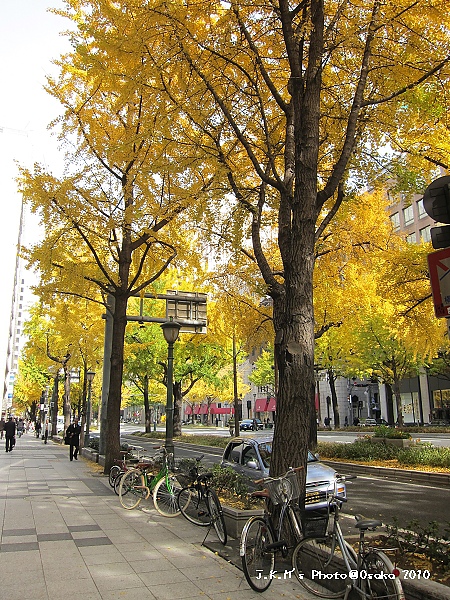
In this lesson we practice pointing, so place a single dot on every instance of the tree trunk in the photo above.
(66, 400)
(293, 312)
(398, 402)
(334, 400)
(83, 409)
(147, 410)
(112, 436)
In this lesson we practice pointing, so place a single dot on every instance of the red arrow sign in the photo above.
(439, 269)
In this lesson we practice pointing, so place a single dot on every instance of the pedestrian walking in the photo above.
(20, 427)
(37, 428)
(46, 428)
(2, 427)
(73, 437)
(10, 434)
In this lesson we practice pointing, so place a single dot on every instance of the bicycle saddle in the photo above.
(363, 523)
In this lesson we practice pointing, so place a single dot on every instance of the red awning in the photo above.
(261, 405)
(272, 406)
(220, 411)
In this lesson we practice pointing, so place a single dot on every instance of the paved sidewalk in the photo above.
(64, 534)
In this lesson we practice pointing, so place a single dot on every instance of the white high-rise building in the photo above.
(21, 300)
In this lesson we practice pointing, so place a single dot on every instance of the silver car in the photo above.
(251, 458)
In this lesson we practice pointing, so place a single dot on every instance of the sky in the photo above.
(29, 40)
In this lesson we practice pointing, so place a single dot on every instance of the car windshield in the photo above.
(265, 451)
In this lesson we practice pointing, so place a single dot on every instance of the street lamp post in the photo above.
(90, 377)
(171, 329)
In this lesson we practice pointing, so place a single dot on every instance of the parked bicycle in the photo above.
(261, 538)
(199, 503)
(327, 566)
(129, 458)
(140, 481)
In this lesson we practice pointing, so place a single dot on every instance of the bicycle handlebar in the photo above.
(296, 469)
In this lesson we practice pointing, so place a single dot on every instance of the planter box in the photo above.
(90, 454)
(401, 443)
(235, 519)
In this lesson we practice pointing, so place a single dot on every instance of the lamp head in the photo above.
(171, 329)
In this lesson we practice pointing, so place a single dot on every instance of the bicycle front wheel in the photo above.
(165, 495)
(113, 472)
(319, 566)
(132, 489)
(257, 559)
(385, 584)
(193, 507)
(215, 510)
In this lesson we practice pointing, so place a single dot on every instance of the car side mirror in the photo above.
(252, 464)
(317, 455)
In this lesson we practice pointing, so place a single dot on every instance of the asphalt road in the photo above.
(437, 439)
(367, 495)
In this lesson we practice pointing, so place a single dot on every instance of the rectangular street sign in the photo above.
(439, 270)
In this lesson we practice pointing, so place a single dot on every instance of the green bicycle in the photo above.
(139, 482)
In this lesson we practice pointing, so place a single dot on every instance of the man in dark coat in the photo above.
(10, 432)
(73, 435)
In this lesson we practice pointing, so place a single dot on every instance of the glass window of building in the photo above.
(420, 209)
(395, 220)
(411, 238)
(425, 234)
(408, 215)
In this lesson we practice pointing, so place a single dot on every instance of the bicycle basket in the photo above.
(283, 489)
(315, 522)
(186, 471)
(185, 478)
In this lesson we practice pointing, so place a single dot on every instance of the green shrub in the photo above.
(384, 431)
(201, 440)
(426, 540)
(361, 449)
(94, 443)
(425, 455)
(227, 482)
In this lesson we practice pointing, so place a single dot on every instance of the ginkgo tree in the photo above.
(395, 332)
(109, 219)
(292, 102)
(64, 337)
(31, 381)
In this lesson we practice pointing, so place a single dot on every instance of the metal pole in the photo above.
(169, 405)
(88, 414)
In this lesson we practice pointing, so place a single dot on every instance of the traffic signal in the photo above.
(436, 202)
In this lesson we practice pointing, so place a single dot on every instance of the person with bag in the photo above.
(73, 439)
(10, 433)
